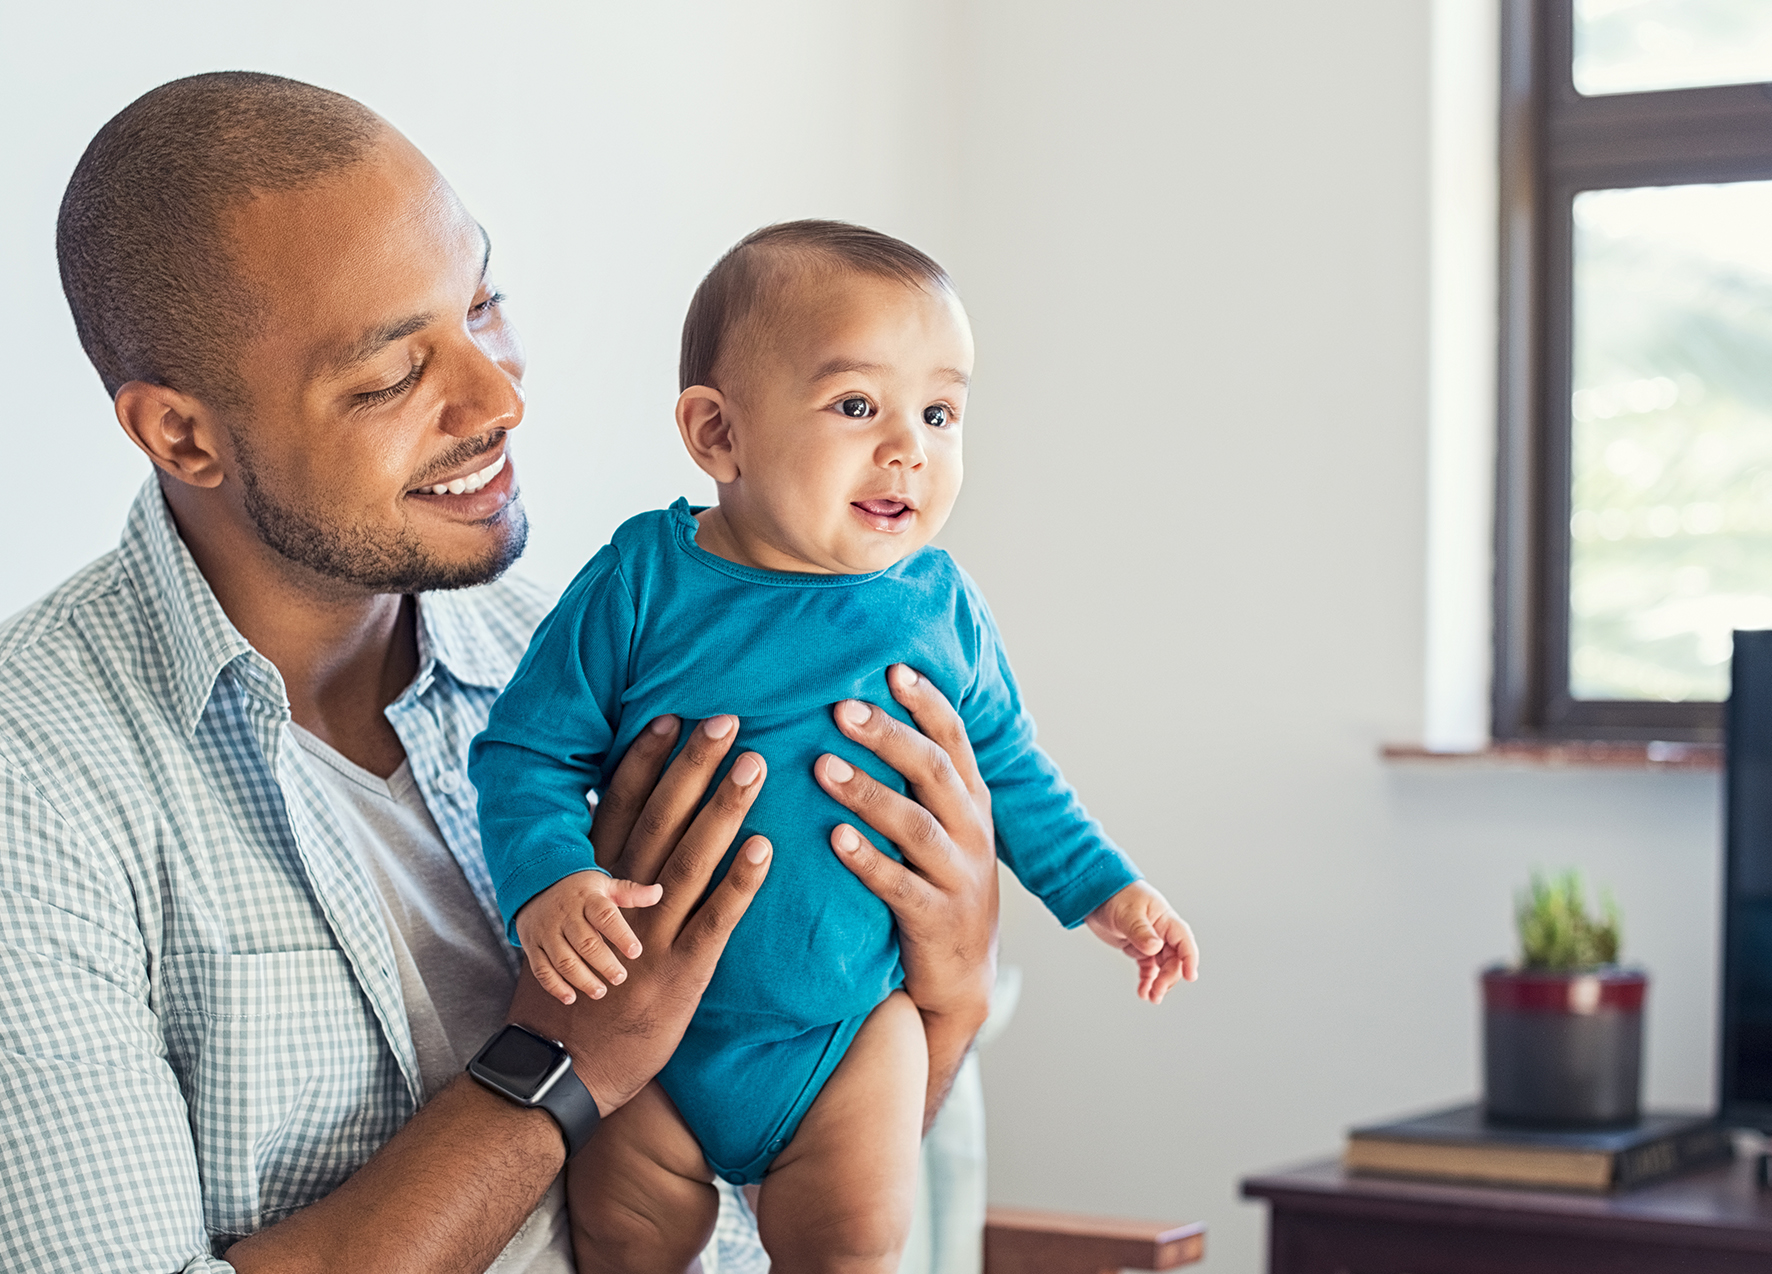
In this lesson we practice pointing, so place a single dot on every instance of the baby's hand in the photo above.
(574, 926)
(1140, 922)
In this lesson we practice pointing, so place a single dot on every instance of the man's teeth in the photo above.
(473, 482)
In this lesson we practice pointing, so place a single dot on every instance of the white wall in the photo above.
(1193, 238)
(1196, 256)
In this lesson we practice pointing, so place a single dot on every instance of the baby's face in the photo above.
(846, 437)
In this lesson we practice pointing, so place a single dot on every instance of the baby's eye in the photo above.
(856, 408)
(936, 416)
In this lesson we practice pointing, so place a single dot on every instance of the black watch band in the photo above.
(535, 1071)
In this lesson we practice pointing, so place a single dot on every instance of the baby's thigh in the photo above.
(849, 1175)
(640, 1195)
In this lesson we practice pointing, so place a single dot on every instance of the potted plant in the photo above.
(1563, 1032)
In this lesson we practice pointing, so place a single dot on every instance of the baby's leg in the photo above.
(840, 1196)
(640, 1195)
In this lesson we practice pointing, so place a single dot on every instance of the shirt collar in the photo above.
(191, 627)
(200, 639)
(453, 633)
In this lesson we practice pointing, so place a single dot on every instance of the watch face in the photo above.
(518, 1062)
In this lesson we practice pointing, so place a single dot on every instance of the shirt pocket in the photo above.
(289, 1083)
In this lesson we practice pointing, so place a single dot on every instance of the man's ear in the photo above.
(178, 433)
(704, 420)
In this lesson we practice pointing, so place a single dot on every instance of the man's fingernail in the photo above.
(756, 851)
(847, 840)
(717, 727)
(855, 712)
(839, 770)
(597, 994)
(664, 725)
(633, 951)
(903, 677)
(745, 770)
(619, 978)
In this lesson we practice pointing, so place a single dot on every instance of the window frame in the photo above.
(1555, 143)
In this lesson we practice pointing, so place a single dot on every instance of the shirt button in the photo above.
(736, 1178)
(775, 1147)
(448, 781)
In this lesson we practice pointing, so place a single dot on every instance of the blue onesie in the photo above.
(657, 625)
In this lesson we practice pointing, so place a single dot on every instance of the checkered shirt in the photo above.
(201, 1023)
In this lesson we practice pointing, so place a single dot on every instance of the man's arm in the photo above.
(95, 1140)
(448, 1191)
(944, 894)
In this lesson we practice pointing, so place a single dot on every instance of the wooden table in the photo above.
(1325, 1221)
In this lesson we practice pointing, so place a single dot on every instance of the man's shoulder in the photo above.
(61, 633)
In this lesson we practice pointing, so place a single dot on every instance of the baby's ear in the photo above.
(704, 421)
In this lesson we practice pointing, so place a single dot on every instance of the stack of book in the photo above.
(1457, 1145)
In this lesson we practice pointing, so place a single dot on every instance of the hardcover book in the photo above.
(1457, 1145)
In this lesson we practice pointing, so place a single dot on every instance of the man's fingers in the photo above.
(918, 834)
(897, 886)
(676, 797)
(704, 938)
(937, 720)
(618, 808)
(700, 848)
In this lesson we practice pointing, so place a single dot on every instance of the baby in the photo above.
(824, 373)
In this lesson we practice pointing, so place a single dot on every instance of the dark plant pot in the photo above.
(1563, 1050)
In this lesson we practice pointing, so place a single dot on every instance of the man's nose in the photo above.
(486, 392)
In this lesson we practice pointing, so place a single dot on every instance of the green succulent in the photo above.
(1557, 935)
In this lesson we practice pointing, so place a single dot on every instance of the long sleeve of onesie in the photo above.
(1044, 834)
(547, 742)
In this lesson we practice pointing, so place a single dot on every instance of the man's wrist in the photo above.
(536, 1071)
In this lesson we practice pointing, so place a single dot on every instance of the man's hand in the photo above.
(944, 894)
(647, 830)
(1139, 921)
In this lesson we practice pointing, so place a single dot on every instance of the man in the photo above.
(248, 940)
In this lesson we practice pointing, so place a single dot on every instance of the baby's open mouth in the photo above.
(884, 514)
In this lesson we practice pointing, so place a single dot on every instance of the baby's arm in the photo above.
(1139, 921)
(571, 931)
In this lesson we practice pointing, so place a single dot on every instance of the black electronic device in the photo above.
(533, 1070)
(1744, 1091)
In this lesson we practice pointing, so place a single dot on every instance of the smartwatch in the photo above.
(535, 1071)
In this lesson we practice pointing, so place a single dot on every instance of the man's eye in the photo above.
(378, 396)
(488, 305)
(936, 416)
(856, 408)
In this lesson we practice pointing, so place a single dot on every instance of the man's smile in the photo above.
(469, 483)
(477, 495)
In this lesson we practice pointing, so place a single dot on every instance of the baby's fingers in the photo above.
(549, 980)
(1179, 938)
(565, 954)
(603, 913)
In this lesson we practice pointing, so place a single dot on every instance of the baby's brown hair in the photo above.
(746, 286)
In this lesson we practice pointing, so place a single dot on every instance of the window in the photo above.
(1634, 520)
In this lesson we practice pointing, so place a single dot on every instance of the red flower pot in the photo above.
(1563, 1049)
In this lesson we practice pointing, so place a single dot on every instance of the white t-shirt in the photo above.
(457, 971)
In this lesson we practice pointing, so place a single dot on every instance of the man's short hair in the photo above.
(740, 299)
(142, 235)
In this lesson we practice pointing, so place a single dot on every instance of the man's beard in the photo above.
(369, 560)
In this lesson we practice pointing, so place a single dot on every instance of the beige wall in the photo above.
(1193, 238)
